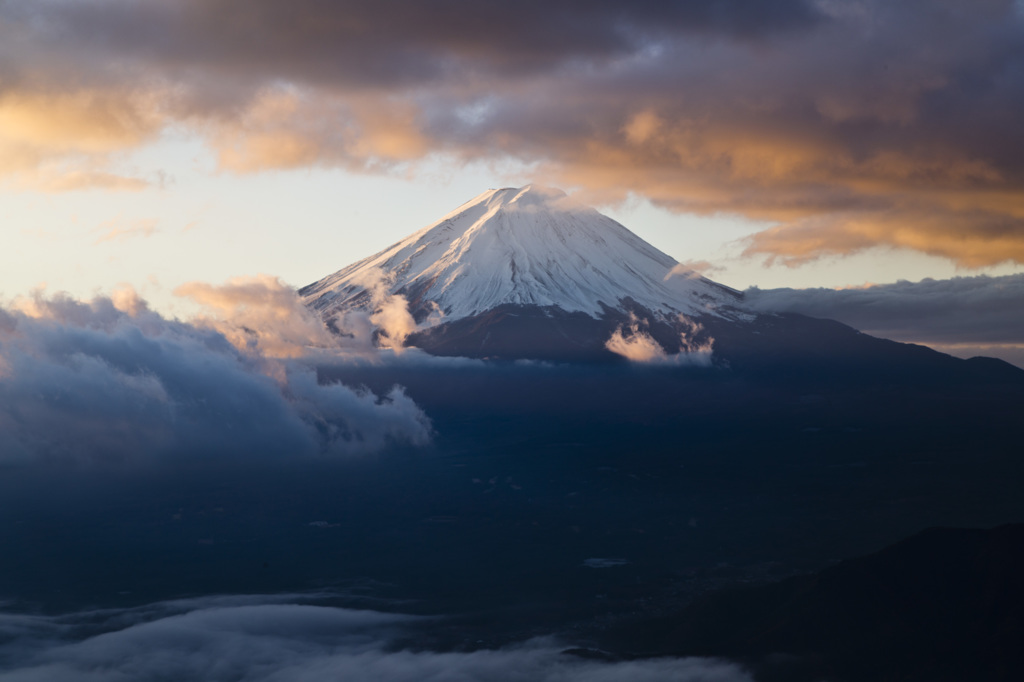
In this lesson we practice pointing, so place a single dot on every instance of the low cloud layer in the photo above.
(111, 380)
(843, 124)
(964, 316)
(273, 640)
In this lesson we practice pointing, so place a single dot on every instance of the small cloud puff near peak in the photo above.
(110, 380)
(693, 269)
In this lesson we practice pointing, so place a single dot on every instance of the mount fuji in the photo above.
(528, 273)
(527, 247)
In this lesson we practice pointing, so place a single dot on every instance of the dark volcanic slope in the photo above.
(946, 604)
(797, 347)
(784, 346)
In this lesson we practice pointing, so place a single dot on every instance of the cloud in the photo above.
(976, 237)
(66, 139)
(389, 312)
(842, 125)
(120, 230)
(110, 380)
(89, 122)
(637, 345)
(959, 315)
(260, 314)
(272, 640)
(56, 180)
(693, 269)
(287, 126)
(395, 42)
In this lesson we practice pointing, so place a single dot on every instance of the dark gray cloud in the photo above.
(392, 41)
(272, 640)
(964, 315)
(88, 381)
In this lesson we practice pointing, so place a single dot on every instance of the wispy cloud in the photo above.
(693, 268)
(120, 230)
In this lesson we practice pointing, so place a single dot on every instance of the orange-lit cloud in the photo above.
(87, 121)
(633, 342)
(64, 140)
(971, 239)
(637, 346)
(286, 128)
(841, 125)
(260, 314)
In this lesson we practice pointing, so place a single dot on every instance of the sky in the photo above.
(798, 144)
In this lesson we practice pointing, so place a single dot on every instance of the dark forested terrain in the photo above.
(570, 499)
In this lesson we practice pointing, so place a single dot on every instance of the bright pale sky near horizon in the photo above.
(794, 143)
(300, 225)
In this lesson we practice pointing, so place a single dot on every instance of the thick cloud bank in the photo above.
(110, 379)
(964, 316)
(843, 124)
(277, 640)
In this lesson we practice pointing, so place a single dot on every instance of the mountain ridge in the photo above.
(528, 274)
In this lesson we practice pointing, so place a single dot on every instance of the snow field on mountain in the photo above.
(526, 246)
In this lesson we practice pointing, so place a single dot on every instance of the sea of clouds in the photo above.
(293, 638)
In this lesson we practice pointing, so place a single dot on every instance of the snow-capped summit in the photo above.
(528, 273)
(531, 246)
